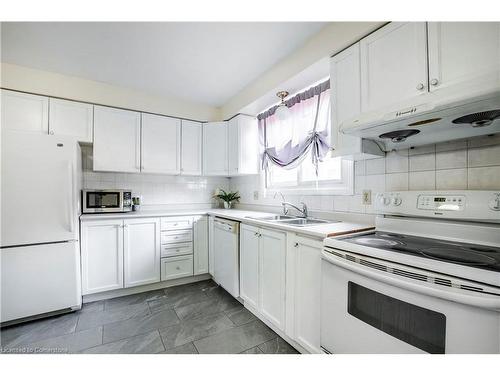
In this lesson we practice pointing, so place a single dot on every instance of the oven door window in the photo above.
(103, 200)
(415, 325)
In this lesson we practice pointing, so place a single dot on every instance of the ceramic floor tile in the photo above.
(189, 288)
(277, 346)
(38, 330)
(100, 318)
(148, 343)
(212, 306)
(135, 326)
(254, 350)
(240, 315)
(236, 340)
(177, 300)
(70, 343)
(184, 349)
(194, 329)
(91, 307)
(133, 299)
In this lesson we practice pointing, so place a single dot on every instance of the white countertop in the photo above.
(247, 217)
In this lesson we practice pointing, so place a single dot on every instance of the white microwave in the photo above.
(102, 201)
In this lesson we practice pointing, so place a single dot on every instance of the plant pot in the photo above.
(227, 205)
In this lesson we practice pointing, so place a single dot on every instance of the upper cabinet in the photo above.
(191, 148)
(24, 112)
(393, 65)
(463, 54)
(117, 140)
(71, 118)
(243, 145)
(215, 153)
(160, 144)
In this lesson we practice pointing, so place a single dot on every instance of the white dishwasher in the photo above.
(227, 255)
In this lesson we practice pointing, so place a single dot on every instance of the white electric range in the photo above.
(426, 280)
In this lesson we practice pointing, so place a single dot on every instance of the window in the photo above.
(335, 175)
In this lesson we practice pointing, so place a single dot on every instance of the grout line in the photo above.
(161, 339)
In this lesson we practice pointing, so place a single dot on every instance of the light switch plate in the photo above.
(367, 197)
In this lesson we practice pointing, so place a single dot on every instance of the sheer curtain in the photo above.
(286, 143)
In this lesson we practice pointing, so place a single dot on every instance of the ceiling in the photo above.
(200, 62)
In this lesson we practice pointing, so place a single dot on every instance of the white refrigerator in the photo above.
(39, 249)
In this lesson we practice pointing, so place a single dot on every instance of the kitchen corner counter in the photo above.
(319, 231)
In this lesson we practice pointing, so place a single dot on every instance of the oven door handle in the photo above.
(476, 299)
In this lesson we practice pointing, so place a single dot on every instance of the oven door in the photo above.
(102, 201)
(365, 310)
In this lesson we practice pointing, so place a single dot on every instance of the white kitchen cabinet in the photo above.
(263, 272)
(191, 148)
(393, 65)
(117, 140)
(160, 144)
(67, 117)
(141, 249)
(211, 257)
(200, 229)
(272, 276)
(102, 255)
(176, 267)
(463, 55)
(303, 291)
(215, 155)
(249, 265)
(243, 145)
(24, 112)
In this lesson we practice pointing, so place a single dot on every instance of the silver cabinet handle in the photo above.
(434, 82)
(256, 234)
(296, 244)
(51, 132)
(420, 86)
(177, 268)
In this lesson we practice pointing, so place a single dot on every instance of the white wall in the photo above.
(462, 165)
(41, 82)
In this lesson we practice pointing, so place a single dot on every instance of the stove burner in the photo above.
(459, 256)
(377, 242)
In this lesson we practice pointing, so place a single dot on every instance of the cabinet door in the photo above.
(191, 148)
(200, 245)
(211, 245)
(464, 53)
(249, 265)
(345, 82)
(160, 144)
(102, 256)
(243, 145)
(141, 249)
(24, 112)
(71, 118)
(117, 140)
(393, 65)
(215, 149)
(272, 248)
(307, 281)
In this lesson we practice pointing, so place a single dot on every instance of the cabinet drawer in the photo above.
(174, 268)
(171, 250)
(176, 236)
(173, 223)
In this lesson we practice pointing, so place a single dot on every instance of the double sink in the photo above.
(292, 220)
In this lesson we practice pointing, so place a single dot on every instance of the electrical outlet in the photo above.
(255, 195)
(367, 197)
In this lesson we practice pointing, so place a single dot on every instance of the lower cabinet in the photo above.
(176, 267)
(303, 291)
(200, 234)
(119, 253)
(102, 255)
(211, 245)
(141, 250)
(262, 272)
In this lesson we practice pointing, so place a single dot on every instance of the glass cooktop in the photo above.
(484, 257)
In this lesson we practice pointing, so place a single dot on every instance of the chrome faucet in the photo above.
(303, 210)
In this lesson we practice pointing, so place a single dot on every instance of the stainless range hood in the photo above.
(437, 120)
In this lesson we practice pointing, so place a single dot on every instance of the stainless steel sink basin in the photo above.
(292, 220)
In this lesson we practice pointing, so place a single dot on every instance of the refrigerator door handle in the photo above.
(71, 197)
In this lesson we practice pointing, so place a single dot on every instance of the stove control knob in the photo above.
(396, 201)
(495, 202)
(385, 201)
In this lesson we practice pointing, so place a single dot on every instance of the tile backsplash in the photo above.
(157, 191)
(460, 165)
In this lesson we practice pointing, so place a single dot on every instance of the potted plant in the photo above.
(227, 197)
